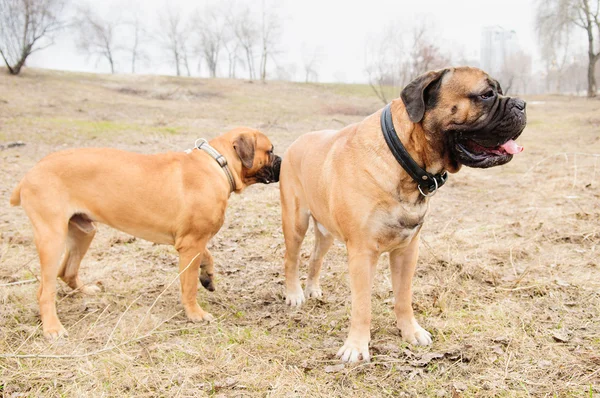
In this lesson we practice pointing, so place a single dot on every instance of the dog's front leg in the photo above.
(362, 263)
(191, 253)
(402, 267)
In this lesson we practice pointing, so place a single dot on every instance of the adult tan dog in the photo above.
(169, 198)
(351, 182)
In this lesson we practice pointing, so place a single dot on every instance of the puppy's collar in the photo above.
(203, 145)
(427, 183)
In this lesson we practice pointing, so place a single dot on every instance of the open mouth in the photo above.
(473, 154)
(477, 151)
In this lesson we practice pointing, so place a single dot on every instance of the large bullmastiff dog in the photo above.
(169, 198)
(368, 185)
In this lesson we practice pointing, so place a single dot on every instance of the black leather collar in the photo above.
(427, 183)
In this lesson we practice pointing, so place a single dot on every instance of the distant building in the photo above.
(497, 46)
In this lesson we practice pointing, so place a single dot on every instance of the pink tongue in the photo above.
(512, 147)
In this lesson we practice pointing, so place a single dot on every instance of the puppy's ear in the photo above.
(413, 95)
(244, 147)
(498, 88)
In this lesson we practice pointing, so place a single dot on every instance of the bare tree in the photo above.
(211, 27)
(425, 55)
(247, 36)
(98, 36)
(270, 33)
(558, 16)
(137, 46)
(385, 69)
(173, 35)
(396, 58)
(310, 63)
(515, 72)
(27, 26)
(231, 43)
(555, 37)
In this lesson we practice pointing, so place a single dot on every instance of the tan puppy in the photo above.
(356, 190)
(175, 198)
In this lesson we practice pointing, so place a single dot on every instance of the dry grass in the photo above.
(508, 281)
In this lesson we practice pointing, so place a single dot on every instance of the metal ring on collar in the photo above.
(432, 192)
(202, 140)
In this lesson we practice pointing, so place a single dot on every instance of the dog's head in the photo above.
(466, 109)
(255, 150)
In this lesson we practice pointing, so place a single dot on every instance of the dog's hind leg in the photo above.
(80, 236)
(295, 223)
(323, 242)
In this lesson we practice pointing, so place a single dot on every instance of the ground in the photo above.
(508, 281)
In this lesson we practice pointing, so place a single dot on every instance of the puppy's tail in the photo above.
(15, 198)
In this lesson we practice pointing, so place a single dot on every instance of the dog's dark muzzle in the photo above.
(491, 141)
(276, 168)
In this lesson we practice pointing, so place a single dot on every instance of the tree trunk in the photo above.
(176, 55)
(589, 27)
(250, 66)
(263, 66)
(112, 63)
(592, 87)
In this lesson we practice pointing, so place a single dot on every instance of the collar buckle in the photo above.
(424, 180)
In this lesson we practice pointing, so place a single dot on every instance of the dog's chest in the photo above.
(395, 225)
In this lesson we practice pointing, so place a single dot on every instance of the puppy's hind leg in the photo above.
(295, 224)
(50, 243)
(80, 236)
(323, 242)
(191, 255)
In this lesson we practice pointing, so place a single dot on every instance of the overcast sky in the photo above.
(340, 29)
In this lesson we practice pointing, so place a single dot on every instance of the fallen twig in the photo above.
(19, 283)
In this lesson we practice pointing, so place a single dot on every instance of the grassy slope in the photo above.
(509, 259)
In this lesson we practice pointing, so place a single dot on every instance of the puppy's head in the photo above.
(255, 150)
(466, 109)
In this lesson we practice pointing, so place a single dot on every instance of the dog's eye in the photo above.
(487, 95)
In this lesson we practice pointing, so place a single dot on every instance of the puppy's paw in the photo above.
(313, 291)
(294, 299)
(90, 290)
(55, 331)
(414, 334)
(353, 351)
(199, 315)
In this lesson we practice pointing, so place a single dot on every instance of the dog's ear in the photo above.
(244, 147)
(413, 95)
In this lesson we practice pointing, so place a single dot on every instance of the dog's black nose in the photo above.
(520, 104)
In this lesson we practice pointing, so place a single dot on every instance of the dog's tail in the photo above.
(15, 198)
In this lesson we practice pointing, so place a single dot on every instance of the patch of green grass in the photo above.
(357, 90)
(91, 128)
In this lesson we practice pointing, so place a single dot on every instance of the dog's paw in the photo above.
(354, 352)
(313, 291)
(207, 280)
(90, 290)
(294, 299)
(55, 332)
(414, 334)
